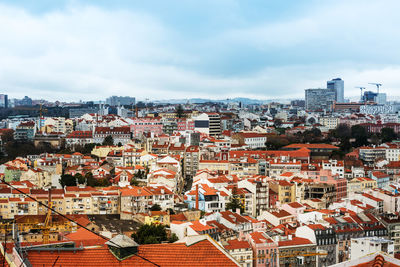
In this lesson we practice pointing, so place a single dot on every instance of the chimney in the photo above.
(238, 211)
(197, 196)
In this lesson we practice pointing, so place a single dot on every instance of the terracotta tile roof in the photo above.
(281, 213)
(199, 227)
(316, 227)
(233, 217)
(260, 238)
(296, 241)
(295, 205)
(237, 244)
(378, 174)
(202, 253)
(85, 238)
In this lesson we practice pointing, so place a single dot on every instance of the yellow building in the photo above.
(285, 190)
(219, 166)
(102, 151)
(366, 182)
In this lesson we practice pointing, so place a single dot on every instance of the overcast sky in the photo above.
(89, 50)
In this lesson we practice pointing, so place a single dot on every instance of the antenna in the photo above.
(377, 85)
(361, 88)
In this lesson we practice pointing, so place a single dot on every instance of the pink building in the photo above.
(325, 176)
(265, 249)
(146, 125)
(185, 124)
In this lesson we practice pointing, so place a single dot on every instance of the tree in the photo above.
(235, 202)
(155, 207)
(179, 111)
(342, 132)
(90, 180)
(67, 180)
(360, 134)
(151, 234)
(173, 238)
(134, 182)
(277, 123)
(388, 134)
(276, 142)
(79, 177)
(108, 141)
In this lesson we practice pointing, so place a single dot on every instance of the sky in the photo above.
(163, 49)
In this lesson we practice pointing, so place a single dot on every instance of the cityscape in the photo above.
(218, 168)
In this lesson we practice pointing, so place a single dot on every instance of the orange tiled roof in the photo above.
(202, 253)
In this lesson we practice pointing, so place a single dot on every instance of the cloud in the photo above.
(90, 52)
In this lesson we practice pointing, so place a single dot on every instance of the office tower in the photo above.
(380, 99)
(3, 101)
(320, 99)
(208, 123)
(120, 100)
(338, 85)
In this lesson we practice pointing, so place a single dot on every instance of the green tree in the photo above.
(234, 202)
(90, 180)
(134, 182)
(67, 180)
(277, 123)
(151, 234)
(342, 132)
(360, 134)
(155, 207)
(80, 178)
(108, 141)
(388, 134)
(173, 238)
(179, 111)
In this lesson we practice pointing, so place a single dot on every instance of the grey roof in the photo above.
(122, 241)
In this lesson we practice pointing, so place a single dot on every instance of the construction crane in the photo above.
(361, 88)
(42, 110)
(378, 85)
(47, 222)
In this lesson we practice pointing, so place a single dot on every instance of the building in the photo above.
(325, 238)
(320, 99)
(241, 251)
(208, 123)
(120, 101)
(392, 224)
(366, 245)
(123, 251)
(79, 112)
(337, 85)
(252, 139)
(119, 134)
(25, 131)
(3, 101)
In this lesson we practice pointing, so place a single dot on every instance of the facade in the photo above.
(208, 123)
(3, 101)
(366, 245)
(119, 134)
(320, 99)
(25, 131)
(337, 85)
(120, 101)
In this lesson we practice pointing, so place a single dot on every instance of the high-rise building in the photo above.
(3, 101)
(120, 100)
(320, 99)
(381, 99)
(208, 123)
(338, 85)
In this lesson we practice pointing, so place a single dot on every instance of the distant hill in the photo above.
(243, 100)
